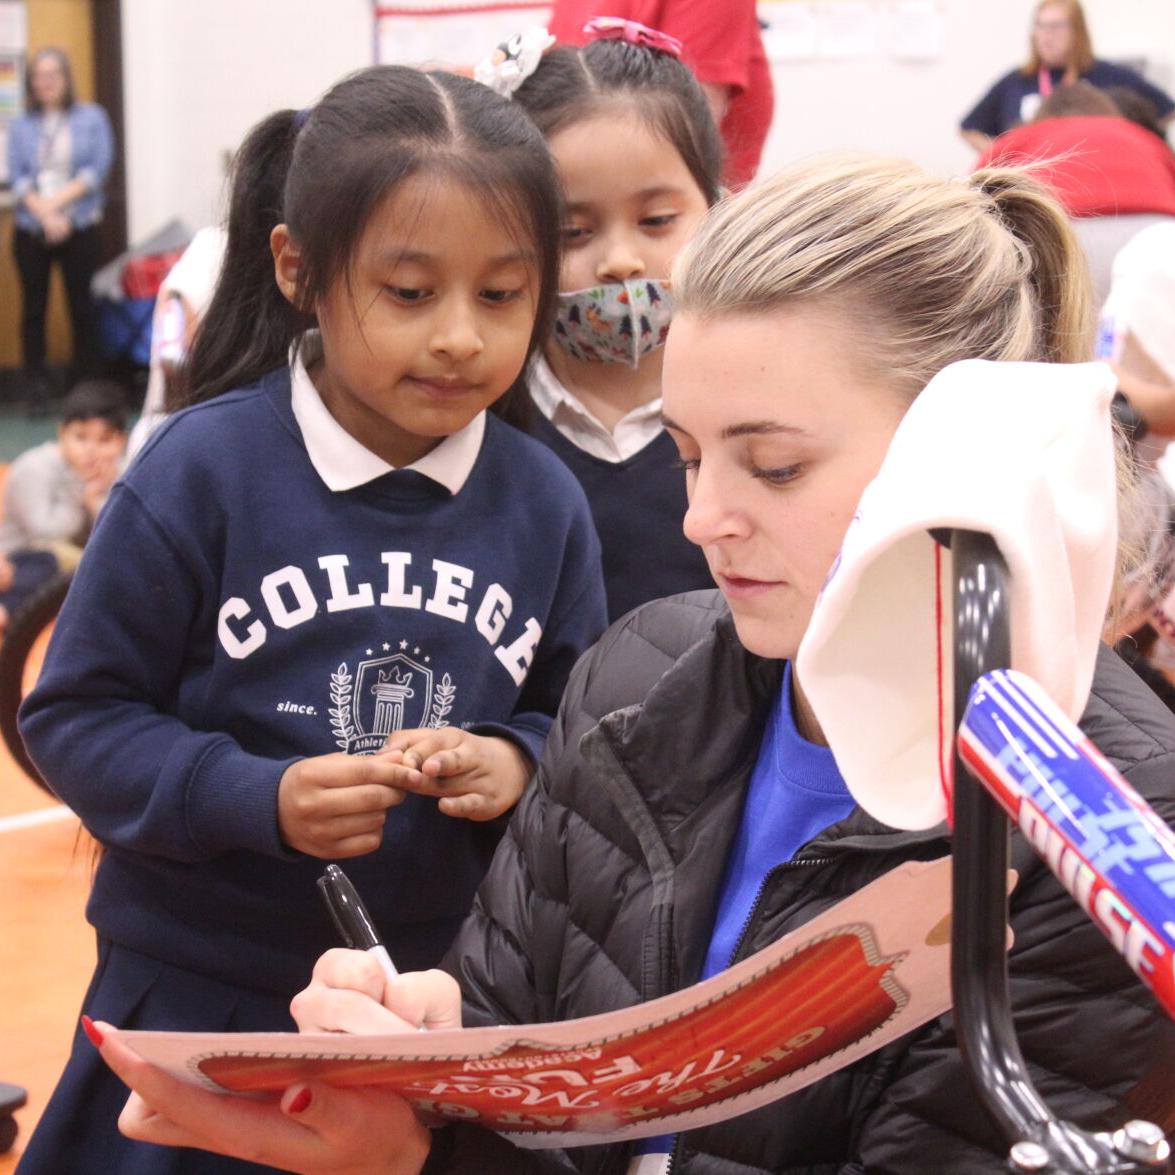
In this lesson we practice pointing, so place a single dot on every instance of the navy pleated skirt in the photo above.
(78, 1133)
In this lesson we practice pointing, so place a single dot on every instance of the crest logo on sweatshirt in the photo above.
(398, 691)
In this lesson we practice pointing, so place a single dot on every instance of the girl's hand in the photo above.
(333, 806)
(474, 776)
(313, 1130)
(350, 993)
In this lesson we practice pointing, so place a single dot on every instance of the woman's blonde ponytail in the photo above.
(1056, 267)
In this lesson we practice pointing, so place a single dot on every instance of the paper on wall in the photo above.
(848, 28)
(916, 30)
(790, 30)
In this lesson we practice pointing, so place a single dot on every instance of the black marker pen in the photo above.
(352, 919)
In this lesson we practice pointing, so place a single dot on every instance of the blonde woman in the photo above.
(1060, 52)
(820, 303)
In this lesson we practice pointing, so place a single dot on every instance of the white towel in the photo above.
(1023, 451)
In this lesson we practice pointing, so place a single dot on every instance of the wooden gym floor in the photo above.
(46, 945)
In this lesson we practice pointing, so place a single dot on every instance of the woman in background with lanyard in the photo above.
(1059, 52)
(59, 157)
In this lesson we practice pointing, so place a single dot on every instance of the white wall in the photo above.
(199, 74)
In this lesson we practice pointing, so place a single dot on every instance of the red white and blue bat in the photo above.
(1105, 844)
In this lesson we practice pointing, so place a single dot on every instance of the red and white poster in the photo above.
(865, 972)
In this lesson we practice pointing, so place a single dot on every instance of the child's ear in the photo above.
(287, 262)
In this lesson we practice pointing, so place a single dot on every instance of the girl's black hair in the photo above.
(572, 84)
(324, 174)
(32, 102)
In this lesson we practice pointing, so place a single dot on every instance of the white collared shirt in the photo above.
(582, 428)
(343, 462)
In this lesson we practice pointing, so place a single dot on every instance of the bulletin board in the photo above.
(453, 35)
(13, 42)
(457, 33)
(831, 30)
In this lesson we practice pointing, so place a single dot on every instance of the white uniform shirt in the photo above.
(582, 428)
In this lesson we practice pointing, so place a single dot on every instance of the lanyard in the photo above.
(49, 138)
(1044, 82)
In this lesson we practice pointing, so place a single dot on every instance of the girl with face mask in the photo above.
(640, 161)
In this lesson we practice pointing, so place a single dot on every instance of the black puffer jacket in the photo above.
(604, 892)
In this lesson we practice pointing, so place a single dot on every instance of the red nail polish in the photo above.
(92, 1033)
(299, 1101)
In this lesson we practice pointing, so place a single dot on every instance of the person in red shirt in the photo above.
(721, 44)
(1096, 161)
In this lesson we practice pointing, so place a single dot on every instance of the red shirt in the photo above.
(1096, 165)
(721, 44)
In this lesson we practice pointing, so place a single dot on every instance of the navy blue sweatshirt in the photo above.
(231, 614)
(638, 505)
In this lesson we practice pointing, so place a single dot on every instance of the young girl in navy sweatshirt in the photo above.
(330, 610)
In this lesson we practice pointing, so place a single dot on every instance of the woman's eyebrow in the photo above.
(756, 428)
(750, 428)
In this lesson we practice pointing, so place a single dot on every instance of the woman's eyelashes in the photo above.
(776, 476)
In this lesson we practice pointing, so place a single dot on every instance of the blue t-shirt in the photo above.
(796, 791)
(1001, 108)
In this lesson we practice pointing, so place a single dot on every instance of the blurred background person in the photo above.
(54, 491)
(1139, 109)
(59, 158)
(1113, 177)
(1136, 333)
(1096, 161)
(183, 297)
(1060, 53)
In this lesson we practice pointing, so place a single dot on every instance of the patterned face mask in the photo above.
(618, 322)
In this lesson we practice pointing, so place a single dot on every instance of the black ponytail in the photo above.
(573, 84)
(249, 324)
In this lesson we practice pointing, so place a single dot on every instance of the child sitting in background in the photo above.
(54, 491)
